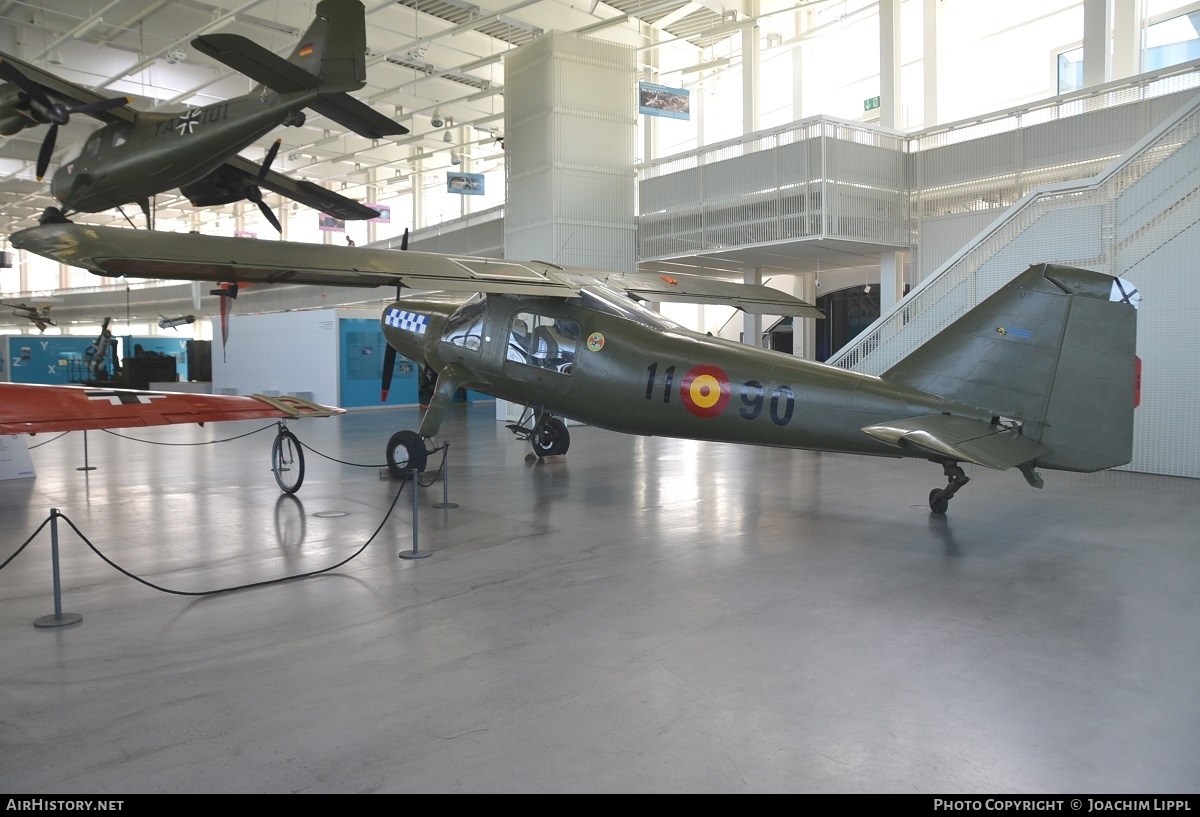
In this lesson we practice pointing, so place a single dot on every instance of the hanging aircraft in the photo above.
(175, 323)
(1040, 375)
(39, 315)
(139, 154)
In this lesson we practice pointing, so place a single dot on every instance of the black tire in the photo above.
(551, 438)
(287, 462)
(405, 451)
(938, 501)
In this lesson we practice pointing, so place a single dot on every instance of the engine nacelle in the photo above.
(12, 102)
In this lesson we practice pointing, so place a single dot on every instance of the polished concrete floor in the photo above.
(646, 615)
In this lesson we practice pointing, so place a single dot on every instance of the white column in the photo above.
(891, 110)
(930, 60)
(891, 280)
(804, 330)
(571, 198)
(1126, 32)
(1096, 27)
(751, 60)
(752, 324)
(418, 195)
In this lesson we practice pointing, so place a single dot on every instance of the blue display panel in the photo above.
(57, 360)
(361, 367)
(133, 345)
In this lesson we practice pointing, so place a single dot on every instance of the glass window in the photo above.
(543, 341)
(465, 327)
(1070, 70)
(1172, 41)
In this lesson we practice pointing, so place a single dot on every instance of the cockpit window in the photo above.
(543, 341)
(465, 327)
(120, 136)
(92, 147)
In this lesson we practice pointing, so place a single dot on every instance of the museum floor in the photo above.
(647, 615)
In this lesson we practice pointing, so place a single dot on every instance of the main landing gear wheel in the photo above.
(287, 461)
(405, 451)
(550, 438)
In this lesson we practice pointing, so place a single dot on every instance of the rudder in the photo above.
(334, 47)
(1054, 350)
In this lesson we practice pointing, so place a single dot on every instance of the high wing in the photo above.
(117, 252)
(31, 409)
(70, 92)
(307, 193)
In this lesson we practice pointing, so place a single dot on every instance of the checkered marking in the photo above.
(409, 321)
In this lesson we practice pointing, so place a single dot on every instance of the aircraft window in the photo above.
(120, 137)
(621, 305)
(92, 147)
(543, 341)
(500, 270)
(465, 327)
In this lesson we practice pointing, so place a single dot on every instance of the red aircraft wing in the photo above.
(30, 409)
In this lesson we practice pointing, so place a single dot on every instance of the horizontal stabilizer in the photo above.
(756, 299)
(960, 439)
(357, 116)
(248, 57)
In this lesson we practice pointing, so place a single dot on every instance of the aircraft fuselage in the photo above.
(642, 378)
(122, 162)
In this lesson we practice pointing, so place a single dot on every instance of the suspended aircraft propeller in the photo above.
(51, 112)
(254, 194)
(389, 355)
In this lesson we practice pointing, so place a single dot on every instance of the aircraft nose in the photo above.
(405, 320)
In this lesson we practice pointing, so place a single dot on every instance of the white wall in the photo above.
(281, 353)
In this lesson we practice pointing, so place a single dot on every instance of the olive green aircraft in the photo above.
(1041, 375)
(139, 154)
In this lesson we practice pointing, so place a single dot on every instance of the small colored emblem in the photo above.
(705, 391)
(595, 341)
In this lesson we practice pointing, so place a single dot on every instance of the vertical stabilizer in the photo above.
(334, 47)
(1054, 350)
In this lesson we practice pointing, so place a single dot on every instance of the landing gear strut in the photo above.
(548, 435)
(939, 498)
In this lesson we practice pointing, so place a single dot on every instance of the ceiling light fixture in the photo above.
(446, 137)
(436, 120)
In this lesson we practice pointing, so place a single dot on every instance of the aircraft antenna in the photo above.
(562, 249)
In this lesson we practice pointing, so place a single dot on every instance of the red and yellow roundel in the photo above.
(705, 391)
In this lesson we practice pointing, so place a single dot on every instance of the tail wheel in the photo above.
(405, 451)
(938, 501)
(551, 438)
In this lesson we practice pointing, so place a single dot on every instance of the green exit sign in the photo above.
(871, 104)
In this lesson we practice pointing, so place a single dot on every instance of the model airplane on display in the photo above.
(39, 315)
(139, 154)
(175, 323)
(1041, 375)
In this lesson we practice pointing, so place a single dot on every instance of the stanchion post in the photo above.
(414, 553)
(59, 619)
(85, 466)
(445, 503)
